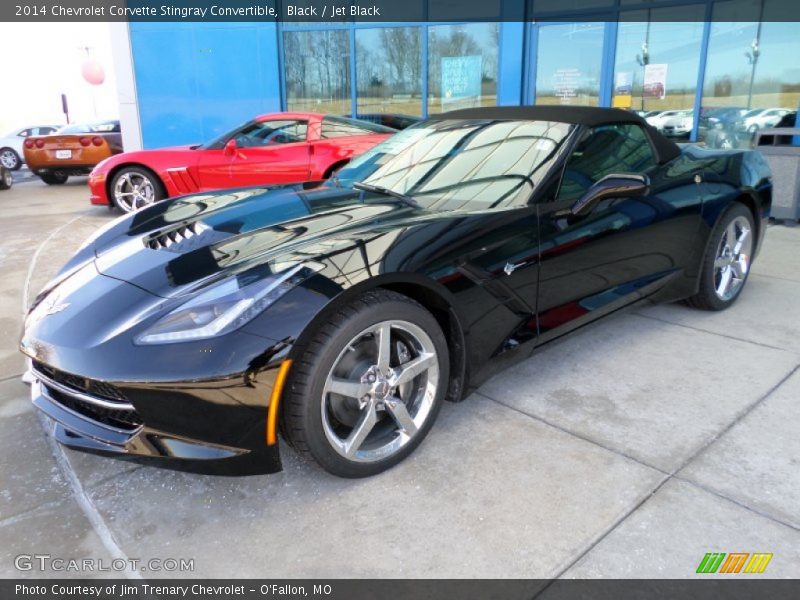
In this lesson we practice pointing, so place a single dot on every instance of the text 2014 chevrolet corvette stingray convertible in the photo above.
(341, 315)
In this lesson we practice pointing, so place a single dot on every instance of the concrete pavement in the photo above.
(630, 450)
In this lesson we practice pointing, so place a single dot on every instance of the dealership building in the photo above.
(185, 82)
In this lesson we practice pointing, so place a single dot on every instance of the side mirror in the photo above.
(616, 185)
(230, 147)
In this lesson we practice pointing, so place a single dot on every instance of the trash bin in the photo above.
(784, 161)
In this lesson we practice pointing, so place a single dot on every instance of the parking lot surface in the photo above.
(628, 450)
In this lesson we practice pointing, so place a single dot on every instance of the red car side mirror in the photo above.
(230, 147)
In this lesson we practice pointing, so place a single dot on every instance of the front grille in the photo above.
(114, 417)
(93, 387)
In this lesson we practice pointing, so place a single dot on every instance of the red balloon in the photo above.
(92, 72)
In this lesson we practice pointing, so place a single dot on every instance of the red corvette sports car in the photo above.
(274, 148)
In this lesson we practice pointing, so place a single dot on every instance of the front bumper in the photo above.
(97, 188)
(101, 424)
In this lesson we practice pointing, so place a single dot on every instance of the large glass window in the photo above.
(462, 66)
(751, 65)
(317, 67)
(656, 66)
(389, 70)
(568, 62)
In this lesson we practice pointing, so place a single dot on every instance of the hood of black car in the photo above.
(174, 247)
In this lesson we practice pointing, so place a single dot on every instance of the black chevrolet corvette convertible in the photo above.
(340, 315)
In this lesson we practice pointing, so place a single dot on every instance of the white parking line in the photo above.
(32, 265)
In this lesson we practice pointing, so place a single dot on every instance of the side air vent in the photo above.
(184, 238)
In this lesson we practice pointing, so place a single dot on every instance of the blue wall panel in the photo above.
(196, 80)
(510, 64)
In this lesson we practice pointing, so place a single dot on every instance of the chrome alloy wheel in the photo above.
(9, 159)
(733, 258)
(380, 391)
(133, 190)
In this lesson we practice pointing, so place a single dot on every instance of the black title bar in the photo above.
(739, 588)
(374, 11)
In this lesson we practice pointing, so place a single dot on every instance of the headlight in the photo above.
(223, 307)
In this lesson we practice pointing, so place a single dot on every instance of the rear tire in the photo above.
(6, 179)
(54, 178)
(358, 406)
(726, 263)
(10, 159)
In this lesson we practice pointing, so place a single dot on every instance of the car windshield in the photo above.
(96, 127)
(454, 164)
(219, 142)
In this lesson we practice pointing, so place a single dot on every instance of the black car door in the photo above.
(621, 248)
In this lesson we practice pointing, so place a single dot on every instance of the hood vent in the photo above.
(184, 238)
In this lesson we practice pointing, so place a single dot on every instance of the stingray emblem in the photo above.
(511, 267)
(54, 306)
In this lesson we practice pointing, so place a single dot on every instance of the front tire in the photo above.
(133, 188)
(365, 391)
(726, 264)
(10, 159)
(54, 178)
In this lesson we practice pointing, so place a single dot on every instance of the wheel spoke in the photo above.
(725, 282)
(740, 241)
(731, 235)
(361, 430)
(408, 371)
(383, 335)
(400, 414)
(740, 267)
(347, 387)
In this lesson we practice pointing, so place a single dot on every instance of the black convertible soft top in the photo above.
(589, 116)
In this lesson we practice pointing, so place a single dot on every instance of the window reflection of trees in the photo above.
(389, 70)
(317, 70)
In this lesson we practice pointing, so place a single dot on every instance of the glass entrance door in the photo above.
(568, 63)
